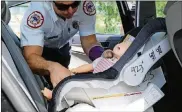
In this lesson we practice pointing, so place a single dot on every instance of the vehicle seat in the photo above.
(6, 17)
(5, 13)
(17, 39)
(12, 42)
(171, 67)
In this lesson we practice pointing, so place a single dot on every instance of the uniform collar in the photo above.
(53, 14)
(49, 6)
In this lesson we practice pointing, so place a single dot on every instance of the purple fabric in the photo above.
(95, 52)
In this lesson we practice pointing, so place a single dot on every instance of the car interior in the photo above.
(21, 89)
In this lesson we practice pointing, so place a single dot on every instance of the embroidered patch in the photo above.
(35, 19)
(89, 8)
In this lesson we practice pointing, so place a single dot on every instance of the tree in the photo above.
(108, 17)
(160, 5)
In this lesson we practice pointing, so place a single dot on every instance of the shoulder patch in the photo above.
(35, 19)
(89, 8)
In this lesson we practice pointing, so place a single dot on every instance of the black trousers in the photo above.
(61, 56)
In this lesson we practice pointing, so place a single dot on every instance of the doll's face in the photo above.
(120, 49)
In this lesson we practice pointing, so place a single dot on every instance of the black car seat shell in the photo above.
(143, 36)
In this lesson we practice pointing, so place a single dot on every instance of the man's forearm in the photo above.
(92, 47)
(38, 64)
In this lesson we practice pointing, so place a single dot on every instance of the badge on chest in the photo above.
(74, 27)
(75, 24)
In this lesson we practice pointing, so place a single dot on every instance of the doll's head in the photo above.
(120, 48)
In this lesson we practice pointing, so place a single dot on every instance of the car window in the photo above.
(160, 5)
(108, 20)
(17, 13)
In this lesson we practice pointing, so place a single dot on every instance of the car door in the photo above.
(109, 29)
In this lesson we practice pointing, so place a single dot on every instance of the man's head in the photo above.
(65, 9)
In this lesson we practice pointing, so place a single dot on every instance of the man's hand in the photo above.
(108, 53)
(47, 93)
(57, 73)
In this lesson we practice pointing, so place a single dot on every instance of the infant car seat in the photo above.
(149, 46)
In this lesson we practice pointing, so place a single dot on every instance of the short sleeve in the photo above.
(95, 62)
(30, 36)
(32, 28)
(88, 18)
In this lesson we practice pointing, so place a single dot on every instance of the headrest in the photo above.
(5, 13)
(174, 18)
(168, 5)
(174, 22)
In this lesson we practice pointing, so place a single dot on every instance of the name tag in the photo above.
(52, 37)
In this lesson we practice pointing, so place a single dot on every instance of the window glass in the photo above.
(108, 20)
(160, 5)
(17, 13)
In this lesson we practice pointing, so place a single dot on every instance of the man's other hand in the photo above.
(58, 73)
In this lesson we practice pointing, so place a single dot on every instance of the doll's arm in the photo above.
(83, 68)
